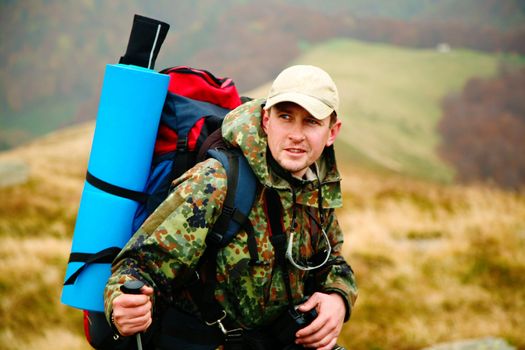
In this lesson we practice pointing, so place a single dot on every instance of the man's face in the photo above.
(297, 139)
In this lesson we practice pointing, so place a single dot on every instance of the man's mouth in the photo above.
(295, 150)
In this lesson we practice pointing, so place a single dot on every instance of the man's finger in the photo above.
(311, 329)
(313, 333)
(131, 300)
(138, 321)
(127, 325)
(309, 304)
(146, 290)
(134, 312)
(330, 345)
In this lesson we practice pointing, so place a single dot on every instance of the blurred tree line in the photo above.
(48, 48)
(483, 130)
(53, 52)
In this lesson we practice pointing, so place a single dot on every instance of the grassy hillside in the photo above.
(390, 100)
(36, 222)
(434, 263)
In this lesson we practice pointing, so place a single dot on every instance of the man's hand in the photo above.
(132, 312)
(322, 333)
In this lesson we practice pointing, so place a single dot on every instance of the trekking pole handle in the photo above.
(133, 287)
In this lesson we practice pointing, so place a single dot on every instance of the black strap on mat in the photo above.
(137, 196)
(105, 256)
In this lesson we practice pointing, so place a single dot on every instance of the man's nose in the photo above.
(296, 132)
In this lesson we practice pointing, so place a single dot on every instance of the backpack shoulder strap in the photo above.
(274, 212)
(240, 196)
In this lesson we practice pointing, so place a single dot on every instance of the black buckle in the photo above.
(214, 237)
(182, 144)
(227, 210)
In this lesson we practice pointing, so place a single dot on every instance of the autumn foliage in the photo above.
(483, 130)
(248, 42)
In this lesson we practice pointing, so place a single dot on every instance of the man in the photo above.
(288, 142)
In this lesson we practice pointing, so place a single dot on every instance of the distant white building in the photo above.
(443, 48)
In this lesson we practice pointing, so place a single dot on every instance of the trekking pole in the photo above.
(133, 287)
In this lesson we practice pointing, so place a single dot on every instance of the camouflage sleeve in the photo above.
(339, 277)
(167, 247)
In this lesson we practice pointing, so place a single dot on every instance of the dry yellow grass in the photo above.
(36, 223)
(433, 263)
(30, 275)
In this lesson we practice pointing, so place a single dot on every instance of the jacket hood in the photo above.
(242, 129)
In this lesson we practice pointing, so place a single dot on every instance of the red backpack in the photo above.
(194, 109)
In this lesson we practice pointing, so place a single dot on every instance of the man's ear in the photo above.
(334, 131)
(265, 118)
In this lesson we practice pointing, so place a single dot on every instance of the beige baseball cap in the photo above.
(308, 86)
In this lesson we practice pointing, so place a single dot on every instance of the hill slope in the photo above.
(36, 222)
(433, 263)
(390, 100)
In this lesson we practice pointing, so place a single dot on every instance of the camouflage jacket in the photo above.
(164, 252)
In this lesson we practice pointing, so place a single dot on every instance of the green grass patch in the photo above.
(390, 100)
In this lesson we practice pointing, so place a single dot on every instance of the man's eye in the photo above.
(313, 121)
(284, 116)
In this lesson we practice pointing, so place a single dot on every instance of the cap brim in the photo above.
(315, 107)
